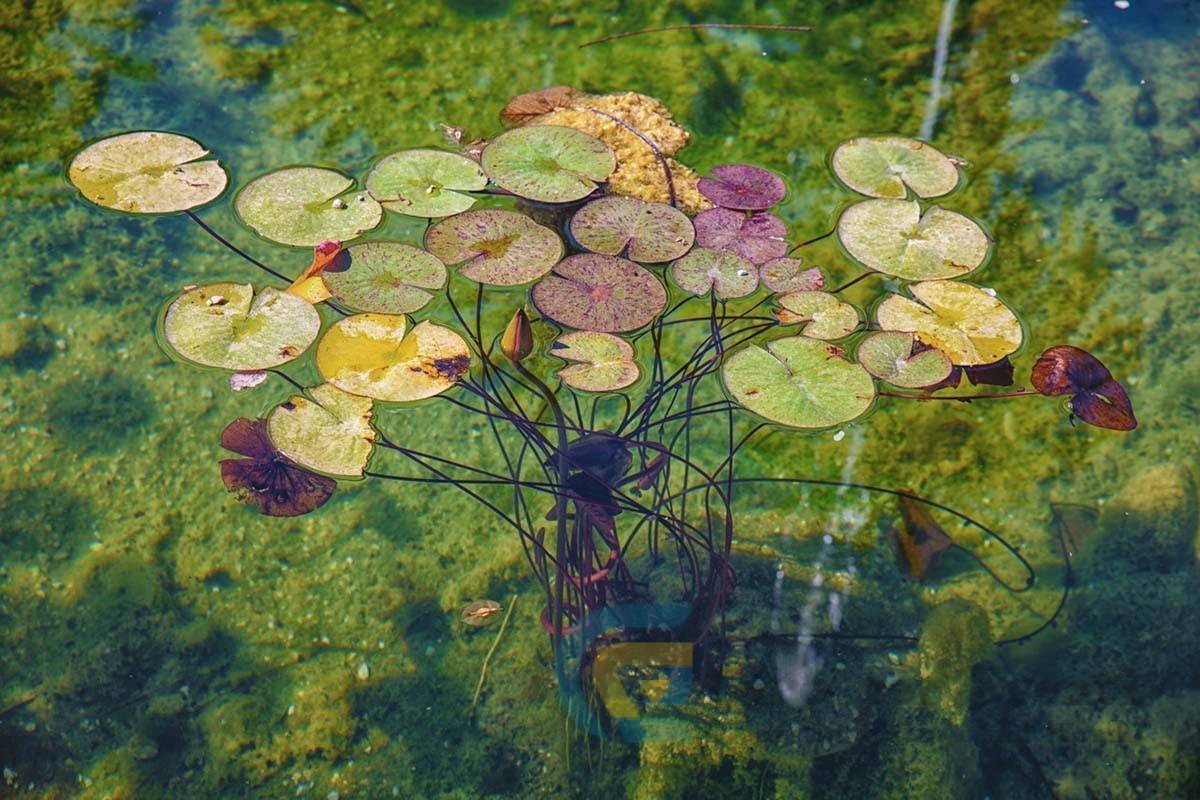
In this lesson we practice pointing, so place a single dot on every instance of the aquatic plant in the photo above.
(646, 334)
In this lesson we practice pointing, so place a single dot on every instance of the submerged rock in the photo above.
(1150, 526)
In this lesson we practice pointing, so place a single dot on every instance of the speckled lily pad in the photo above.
(386, 277)
(495, 247)
(425, 183)
(890, 356)
(969, 325)
(548, 163)
(725, 274)
(606, 362)
(887, 166)
(304, 206)
(652, 232)
(328, 431)
(226, 325)
(893, 237)
(742, 187)
(758, 238)
(789, 275)
(827, 317)
(600, 293)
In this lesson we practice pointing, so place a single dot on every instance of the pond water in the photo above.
(161, 639)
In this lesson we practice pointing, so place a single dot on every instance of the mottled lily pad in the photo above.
(264, 478)
(385, 277)
(495, 247)
(789, 275)
(328, 431)
(827, 317)
(798, 382)
(652, 232)
(600, 293)
(968, 324)
(425, 183)
(893, 237)
(1096, 398)
(226, 325)
(758, 238)
(304, 206)
(900, 360)
(743, 187)
(725, 274)
(374, 355)
(548, 163)
(887, 166)
(606, 362)
(147, 172)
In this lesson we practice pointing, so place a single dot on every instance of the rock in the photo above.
(1150, 526)
(955, 639)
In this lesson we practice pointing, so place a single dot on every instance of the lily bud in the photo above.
(517, 340)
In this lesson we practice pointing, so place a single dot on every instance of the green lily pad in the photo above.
(147, 172)
(827, 317)
(329, 431)
(304, 206)
(606, 362)
(889, 356)
(651, 232)
(798, 382)
(425, 183)
(893, 237)
(495, 247)
(374, 355)
(592, 292)
(724, 273)
(548, 163)
(385, 277)
(888, 166)
(226, 325)
(787, 275)
(968, 324)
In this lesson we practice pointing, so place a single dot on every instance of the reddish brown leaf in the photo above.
(1097, 398)
(265, 479)
(919, 540)
(525, 107)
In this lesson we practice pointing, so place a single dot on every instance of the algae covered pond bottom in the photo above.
(451, 601)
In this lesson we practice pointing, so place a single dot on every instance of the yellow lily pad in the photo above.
(328, 431)
(147, 172)
(968, 324)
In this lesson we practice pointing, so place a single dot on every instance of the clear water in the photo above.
(161, 640)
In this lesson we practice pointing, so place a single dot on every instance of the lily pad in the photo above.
(725, 274)
(265, 479)
(226, 325)
(328, 431)
(827, 317)
(758, 238)
(789, 275)
(743, 187)
(495, 247)
(548, 163)
(386, 277)
(652, 232)
(966, 323)
(304, 206)
(147, 172)
(425, 183)
(798, 382)
(899, 359)
(888, 166)
(893, 237)
(606, 362)
(600, 293)
(374, 355)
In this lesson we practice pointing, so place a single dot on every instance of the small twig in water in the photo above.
(694, 26)
(495, 643)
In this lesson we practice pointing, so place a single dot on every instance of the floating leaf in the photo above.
(606, 361)
(524, 107)
(329, 431)
(652, 232)
(893, 237)
(480, 612)
(963, 321)
(799, 382)
(372, 355)
(1097, 398)
(827, 317)
(495, 247)
(548, 163)
(147, 172)
(226, 325)
(386, 277)
(999, 373)
(309, 284)
(898, 358)
(743, 187)
(600, 293)
(241, 381)
(425, 183)
(725, 274)
(882, 166)
(265, 479)
(758, 238)
(787, 275)
(304, 206)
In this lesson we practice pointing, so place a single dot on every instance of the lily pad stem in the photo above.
(807, 242)
(492, 651)
(204, 226)
(662, 160)
(966, 398)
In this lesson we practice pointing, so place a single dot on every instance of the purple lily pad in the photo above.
(385, 277)
(652, 232)
(725, 274)
(495, 247)
(600, 293)
(758, 238)
(1096, 398)
(265, 479)
(788, 275)
(743, 187)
